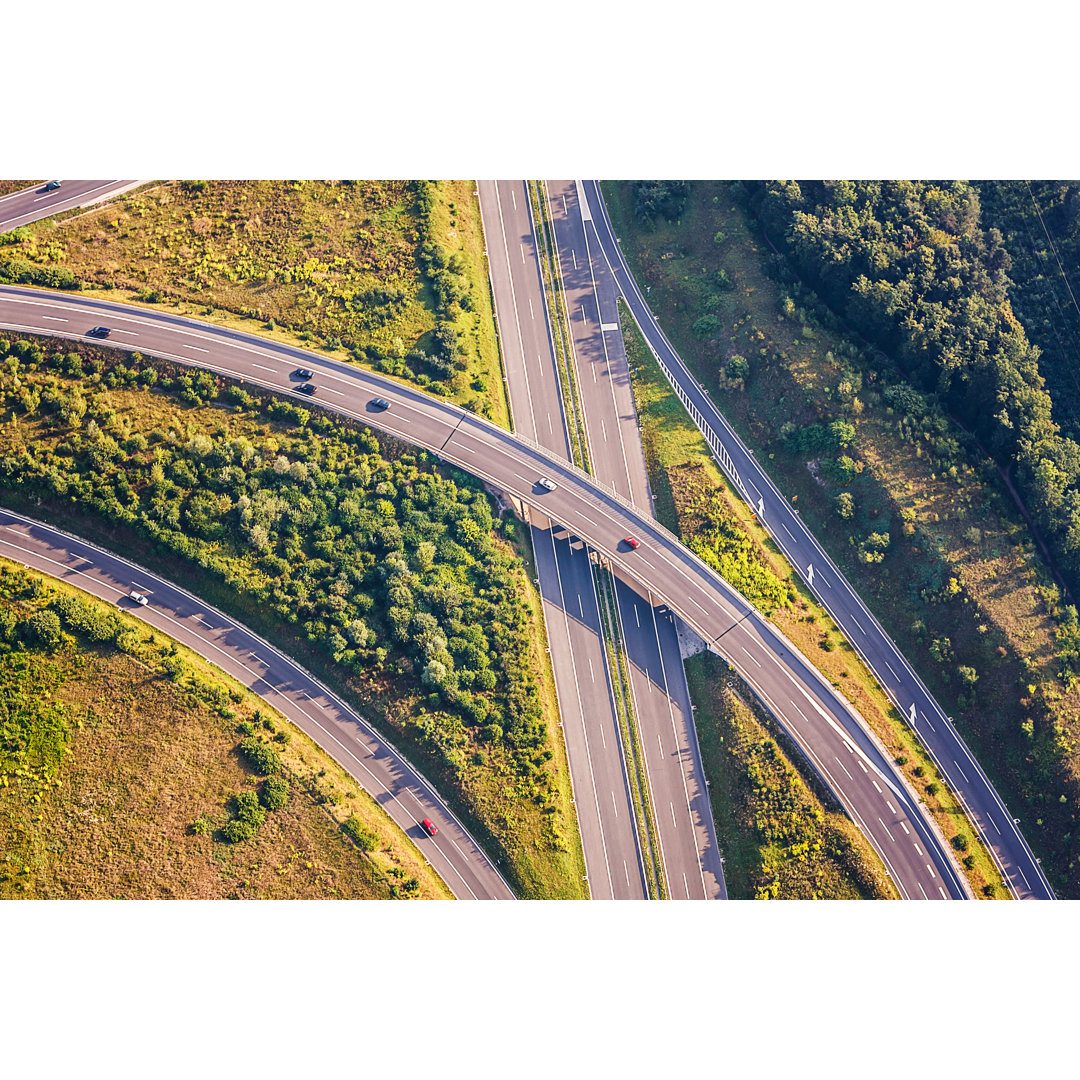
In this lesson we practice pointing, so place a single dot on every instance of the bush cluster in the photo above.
(374, 557)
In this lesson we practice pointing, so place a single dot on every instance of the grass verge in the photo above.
(782, 834)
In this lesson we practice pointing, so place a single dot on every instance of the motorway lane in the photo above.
(282, 683)
(32, 204)
(601, 786)
(578, 657)
(669, 742)
(1019, 867)
(697, 594)
(687, 834)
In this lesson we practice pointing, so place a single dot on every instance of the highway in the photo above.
(34, 203)
(831, 734)
(377, 767)
(579, 663)
(984, 806)
(676, 776)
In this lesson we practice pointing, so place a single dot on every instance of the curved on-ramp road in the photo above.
(398, 788)
(847, 757)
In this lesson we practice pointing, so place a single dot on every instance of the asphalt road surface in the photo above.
(34, 203)
(578, 657)
(821, 722)
(675, 774)
(376, 765)
(1018, 865)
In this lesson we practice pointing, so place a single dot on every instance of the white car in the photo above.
(139, 598)
(546, 484)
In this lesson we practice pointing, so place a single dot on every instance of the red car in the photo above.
(428, 827)
(631, 542)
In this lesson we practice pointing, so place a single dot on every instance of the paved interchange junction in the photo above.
(582, 522)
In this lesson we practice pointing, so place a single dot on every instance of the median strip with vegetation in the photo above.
(548, 254)
(637, 769)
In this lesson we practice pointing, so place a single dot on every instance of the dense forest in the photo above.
(1040, 223)
(911, 266)
(390, 569)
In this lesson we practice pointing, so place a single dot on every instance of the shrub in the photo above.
(43, 628)
(275, 793)
(707, 326)
(262, 757)
(873, 548)
(364, 838)
(845, 505)
(202, 826)
(738, 367)
(959, 842)
(237, 831)
(245, 805)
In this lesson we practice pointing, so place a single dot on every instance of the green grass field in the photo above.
(330, 265)
(111, 754)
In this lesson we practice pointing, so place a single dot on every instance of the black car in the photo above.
(306, 388)
(380, 403)
(52, 185)
(303, 373)
(98, 331)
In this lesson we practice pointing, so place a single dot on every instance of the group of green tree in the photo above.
(912, 267)
(1040, 223)
(369, 552)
